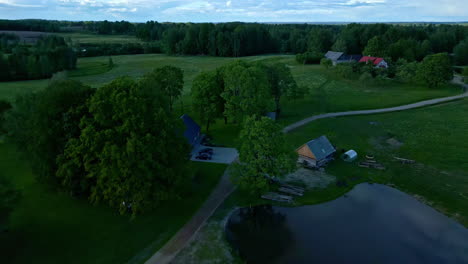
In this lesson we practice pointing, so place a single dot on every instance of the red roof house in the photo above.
(378, 62)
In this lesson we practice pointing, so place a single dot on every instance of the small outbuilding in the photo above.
(350, 156)
(316, 153)
(334, 56)
(378, 62)
(192, 130)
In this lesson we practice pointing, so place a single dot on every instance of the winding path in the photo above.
(224, 187)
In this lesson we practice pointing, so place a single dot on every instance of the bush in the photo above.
(327, 63)
(309, 57)
(344, 70)
(465, 71)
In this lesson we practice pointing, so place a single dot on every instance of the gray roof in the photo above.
(321, 147)
(333, 55)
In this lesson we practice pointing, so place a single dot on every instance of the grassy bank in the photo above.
(435, 137)
(52, 227)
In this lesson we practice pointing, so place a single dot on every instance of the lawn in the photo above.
(436, 137)
(97, 39)
(52, 227)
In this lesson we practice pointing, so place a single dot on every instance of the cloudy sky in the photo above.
(238, 10)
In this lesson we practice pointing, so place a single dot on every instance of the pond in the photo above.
(371, 224)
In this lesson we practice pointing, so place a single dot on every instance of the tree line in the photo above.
(49, 55)
(411, 42)
(120, 144)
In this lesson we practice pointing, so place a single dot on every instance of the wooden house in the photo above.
(316, 153)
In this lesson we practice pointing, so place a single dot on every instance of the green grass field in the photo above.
(94, 38)
(436, 137)
(50, 227)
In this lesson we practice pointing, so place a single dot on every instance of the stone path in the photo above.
(225, 188)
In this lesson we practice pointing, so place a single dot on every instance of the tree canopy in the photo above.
(262, 154)
(436, 69)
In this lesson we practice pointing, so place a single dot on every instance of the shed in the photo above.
(349, 156)
(378, 62)
(192, 130)
(317, 152)
(349, 58)
(334, 56)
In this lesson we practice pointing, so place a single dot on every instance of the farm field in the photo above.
(85, 38)
(55, 228)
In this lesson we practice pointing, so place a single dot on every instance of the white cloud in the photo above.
(15, 4)
(228, 3)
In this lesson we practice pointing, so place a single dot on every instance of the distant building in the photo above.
(378, 62)
(316, 153)
(341, 57)
(192, 130)
(334, 56)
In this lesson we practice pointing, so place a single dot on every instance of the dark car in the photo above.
(204, 157)
(206, 151)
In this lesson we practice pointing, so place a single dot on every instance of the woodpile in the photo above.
(371, 163)
(277, 197)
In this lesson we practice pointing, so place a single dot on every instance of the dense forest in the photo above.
(412, 42)
(50, 54)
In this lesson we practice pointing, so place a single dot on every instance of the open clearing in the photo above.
(84, 38)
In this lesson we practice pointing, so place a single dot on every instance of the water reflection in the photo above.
(260, 234)
(372, 224)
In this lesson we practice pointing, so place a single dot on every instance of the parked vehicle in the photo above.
(204, 157)
(206, 151)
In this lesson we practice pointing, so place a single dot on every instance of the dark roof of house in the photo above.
(192, 130)
(374, 60)
(333, 55)
(350, 57)
(271, 115)
(321, 147)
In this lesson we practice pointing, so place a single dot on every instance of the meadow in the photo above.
(88, 38)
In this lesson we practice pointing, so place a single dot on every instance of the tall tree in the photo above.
(129, 148)
(169, 79)
(206, 97)
(281, 83)
(263, 155)
(436, 69)
(376, 47)
(461, 53)
(41, 124)
(246, 91)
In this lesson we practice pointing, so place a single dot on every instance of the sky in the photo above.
(239, 10)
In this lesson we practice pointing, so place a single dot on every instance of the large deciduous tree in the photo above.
(41, 124)
(263, 155)
(130, 150)
(281, 83)
(169, 79)
(246, 91)
(436, 69)
(376, 47)
(461, 53)
(206, 96)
